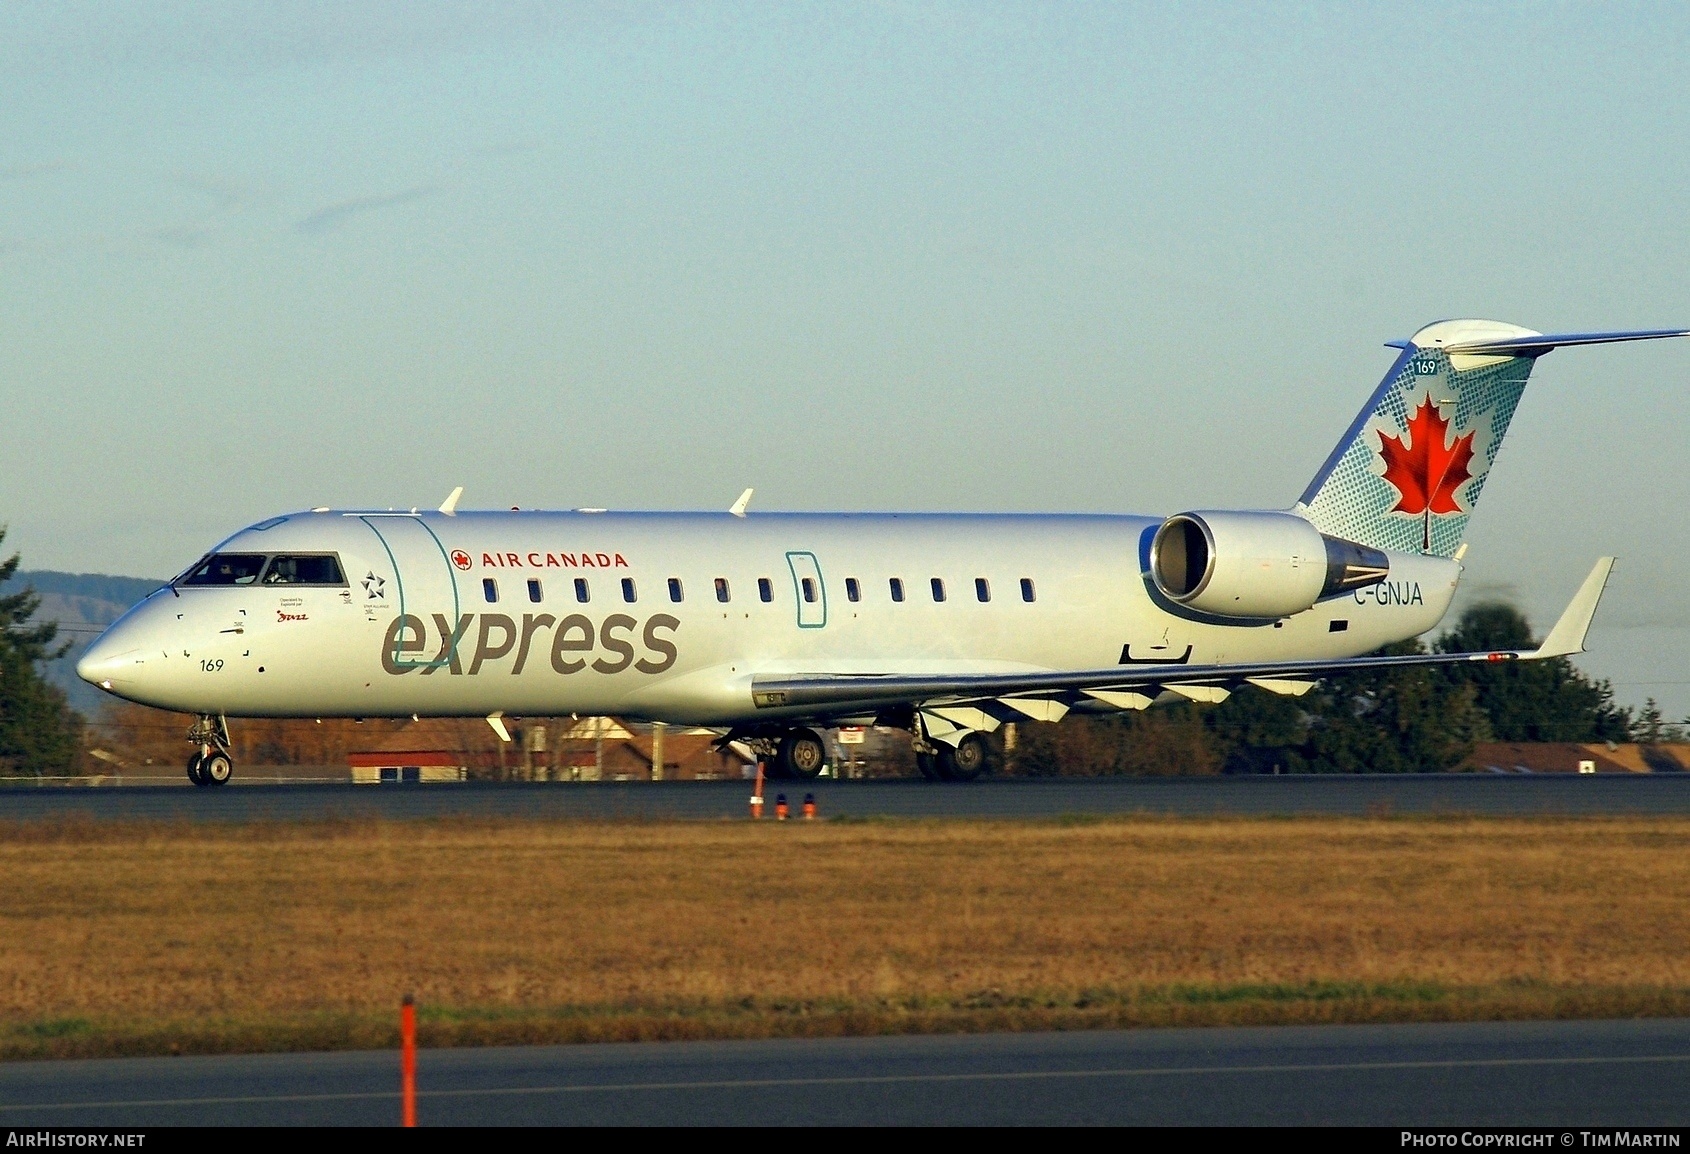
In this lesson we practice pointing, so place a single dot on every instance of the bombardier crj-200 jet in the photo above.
(767, 626)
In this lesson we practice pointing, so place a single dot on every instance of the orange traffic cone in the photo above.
(757, 794)
(780, 807)
(809, 807)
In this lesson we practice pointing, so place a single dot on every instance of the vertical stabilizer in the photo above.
(1409, 471)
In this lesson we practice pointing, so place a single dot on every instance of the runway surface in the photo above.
(1560, 1074)
(1256, 796)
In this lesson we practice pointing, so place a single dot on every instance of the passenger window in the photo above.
(808, 585)
(581, 593)
(311, 569)
(938, 589)
(490, 590)
(534, 591)
(853, 591)
(765, 589)
(226, 569)
(897, 588)
(982, 589)
(1026, 588)
(722, 590)
(675, 589)
(628, 594)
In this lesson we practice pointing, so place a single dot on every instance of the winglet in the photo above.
(450, 505)
(1567, 638)
(738, 507)
(497, 721)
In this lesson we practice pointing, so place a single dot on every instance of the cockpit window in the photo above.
(225, 569)
(304, 569)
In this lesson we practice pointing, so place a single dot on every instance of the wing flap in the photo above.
(1281, 686)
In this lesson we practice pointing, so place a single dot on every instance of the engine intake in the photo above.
(1256, 565)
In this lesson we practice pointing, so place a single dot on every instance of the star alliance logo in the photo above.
(375, 587)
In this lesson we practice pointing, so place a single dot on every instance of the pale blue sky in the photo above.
(255, 257)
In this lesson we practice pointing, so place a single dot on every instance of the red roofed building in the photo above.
(1573, 757)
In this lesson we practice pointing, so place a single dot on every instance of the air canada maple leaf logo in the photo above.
(1426, 467)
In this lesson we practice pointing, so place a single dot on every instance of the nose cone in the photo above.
(115, 659)
(109, 662)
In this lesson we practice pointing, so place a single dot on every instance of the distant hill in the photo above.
(83, 604)
(117, 590)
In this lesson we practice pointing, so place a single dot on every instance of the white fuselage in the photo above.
(666, 647)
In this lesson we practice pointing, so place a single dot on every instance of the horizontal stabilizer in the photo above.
(1539, 343)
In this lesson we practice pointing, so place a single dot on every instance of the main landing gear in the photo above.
(801, 755)
(962, 762)
(210, 764)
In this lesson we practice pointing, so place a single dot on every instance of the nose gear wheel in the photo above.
(211, 764)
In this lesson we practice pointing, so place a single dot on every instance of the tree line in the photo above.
(39, 732)
(1417, 720)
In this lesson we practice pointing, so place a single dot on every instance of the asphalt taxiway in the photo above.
(1563, 1075)
(1486, 794)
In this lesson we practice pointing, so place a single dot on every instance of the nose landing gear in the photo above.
(211, 763)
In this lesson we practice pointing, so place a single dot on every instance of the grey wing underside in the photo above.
(958, 704)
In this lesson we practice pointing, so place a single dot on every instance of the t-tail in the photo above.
(1408, 473)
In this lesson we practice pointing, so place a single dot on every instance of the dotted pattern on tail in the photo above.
(1355, 500)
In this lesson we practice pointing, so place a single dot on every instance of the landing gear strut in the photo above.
(211, 763)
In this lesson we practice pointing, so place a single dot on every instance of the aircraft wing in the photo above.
(981, 701)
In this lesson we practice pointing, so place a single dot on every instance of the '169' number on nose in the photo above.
(211, 666)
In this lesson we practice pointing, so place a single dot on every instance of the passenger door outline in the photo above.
(811, 614)
(418, 585)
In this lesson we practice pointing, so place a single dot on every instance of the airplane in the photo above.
(768, 626)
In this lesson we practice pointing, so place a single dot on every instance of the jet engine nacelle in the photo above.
(1256, 564)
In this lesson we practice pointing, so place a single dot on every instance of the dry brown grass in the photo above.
(149, 938)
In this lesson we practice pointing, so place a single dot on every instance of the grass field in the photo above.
(154, 938)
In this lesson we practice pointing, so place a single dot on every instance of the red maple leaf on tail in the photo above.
(1425, 470)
